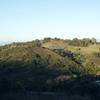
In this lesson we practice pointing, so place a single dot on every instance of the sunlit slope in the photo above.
(29, 53)
(87, 51)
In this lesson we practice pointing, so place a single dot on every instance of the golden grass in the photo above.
(87, 51)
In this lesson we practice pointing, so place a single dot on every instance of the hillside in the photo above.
(86, 51)
(49, 66)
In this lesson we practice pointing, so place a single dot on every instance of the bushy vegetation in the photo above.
(97, 54)
(82, 42)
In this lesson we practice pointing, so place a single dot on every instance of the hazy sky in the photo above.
(29, 19)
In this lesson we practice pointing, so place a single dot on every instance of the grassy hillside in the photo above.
(50, 66)
(88, 51)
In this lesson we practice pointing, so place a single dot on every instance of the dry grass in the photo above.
(61, 44)
(87, 51)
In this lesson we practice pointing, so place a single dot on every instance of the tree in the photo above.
(37, 43)
(93, 40)
(46, 40)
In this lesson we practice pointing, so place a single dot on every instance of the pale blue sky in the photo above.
(23, 20)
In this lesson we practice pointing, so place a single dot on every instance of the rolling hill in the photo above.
(49, 66)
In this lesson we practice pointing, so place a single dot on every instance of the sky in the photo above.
(24, 20)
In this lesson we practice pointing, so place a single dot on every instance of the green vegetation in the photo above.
(84, 42)
(97, 54)
(33, 66)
